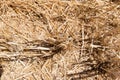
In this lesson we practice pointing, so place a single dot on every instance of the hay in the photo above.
(59, 39)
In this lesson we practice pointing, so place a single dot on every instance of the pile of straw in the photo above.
(59, 39)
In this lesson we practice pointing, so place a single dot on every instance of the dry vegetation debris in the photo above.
(60, 39)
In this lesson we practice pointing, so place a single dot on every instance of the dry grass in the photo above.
(60, 39)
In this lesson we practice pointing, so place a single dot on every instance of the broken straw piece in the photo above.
(40, 48)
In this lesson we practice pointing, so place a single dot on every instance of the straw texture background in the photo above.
(60, 39)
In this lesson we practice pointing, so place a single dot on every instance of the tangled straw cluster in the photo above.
(59, 40)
